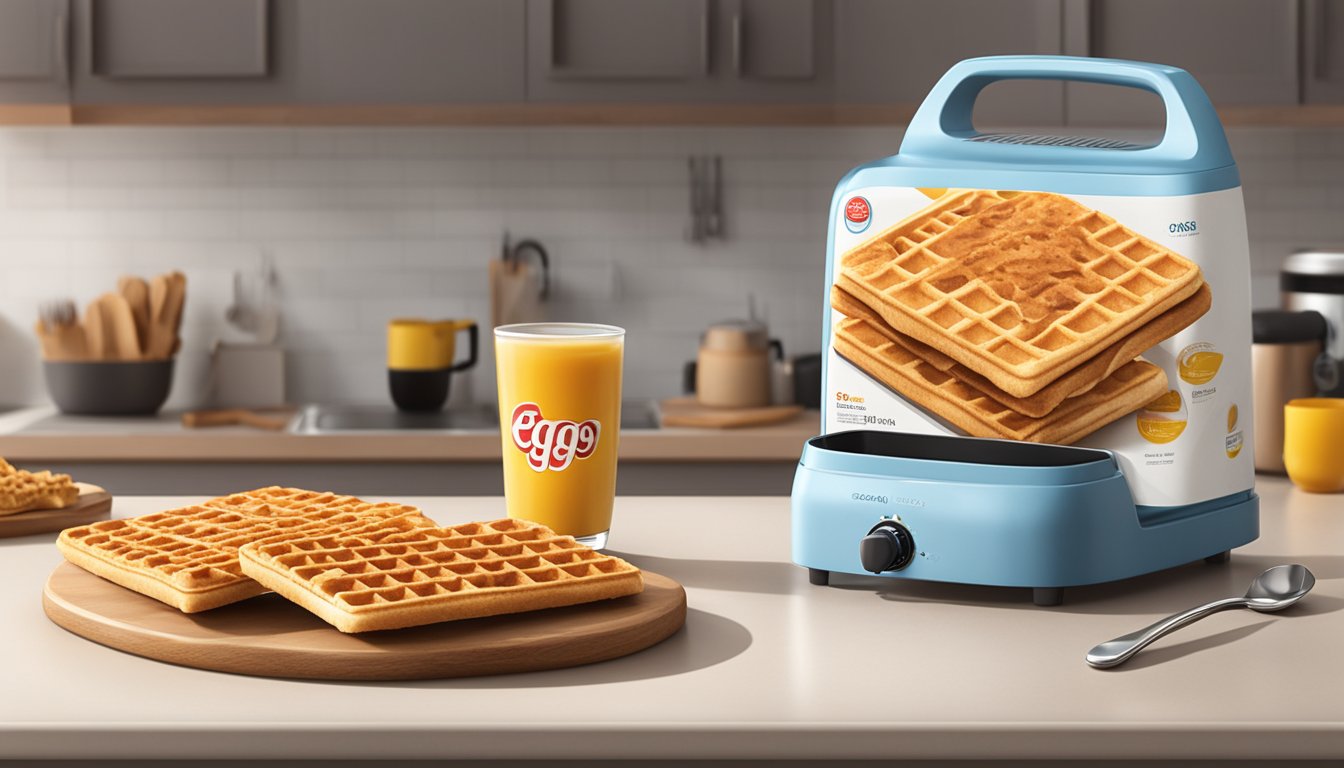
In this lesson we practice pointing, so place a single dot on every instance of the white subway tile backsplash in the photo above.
(366, 224)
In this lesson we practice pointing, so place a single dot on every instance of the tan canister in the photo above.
(1282, 372)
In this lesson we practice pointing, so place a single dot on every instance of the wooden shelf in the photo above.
(1321, 115)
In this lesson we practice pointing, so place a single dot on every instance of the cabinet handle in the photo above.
(737, 43)
(59, 47)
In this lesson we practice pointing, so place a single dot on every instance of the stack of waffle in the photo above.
(358, 565)
(21, 490)
(1014, 315)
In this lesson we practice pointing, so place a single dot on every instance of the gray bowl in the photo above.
(109, 388)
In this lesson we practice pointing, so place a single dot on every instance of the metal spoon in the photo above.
(1273, 590)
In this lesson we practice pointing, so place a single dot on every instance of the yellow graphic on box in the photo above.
(1234, 439)
(1168, 403)
(1162, 420)
(933, 193)
(1199, 363)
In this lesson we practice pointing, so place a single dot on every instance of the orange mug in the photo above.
(420, 360)
(1313, 443)
(560, 416)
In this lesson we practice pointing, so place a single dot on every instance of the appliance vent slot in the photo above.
(1054, 141)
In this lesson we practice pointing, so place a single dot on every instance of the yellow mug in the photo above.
(1313, 443)
(420, 358)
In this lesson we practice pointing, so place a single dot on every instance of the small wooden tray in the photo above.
(93, 504)
(686, 412)
(272, 637)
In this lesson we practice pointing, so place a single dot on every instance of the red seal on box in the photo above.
(858, 214)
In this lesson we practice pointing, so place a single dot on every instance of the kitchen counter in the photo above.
(158, 456)
(768, 666)
(40, 434)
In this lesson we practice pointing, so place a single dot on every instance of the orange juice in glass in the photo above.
(559, 416)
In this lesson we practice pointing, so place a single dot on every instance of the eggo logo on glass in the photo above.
(552, 444)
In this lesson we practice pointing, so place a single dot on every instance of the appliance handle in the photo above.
(778, 347)
(942, 126)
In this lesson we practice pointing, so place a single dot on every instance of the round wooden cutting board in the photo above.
(272, 637)
(93, 504)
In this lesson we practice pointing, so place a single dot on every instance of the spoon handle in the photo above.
(1118, 651)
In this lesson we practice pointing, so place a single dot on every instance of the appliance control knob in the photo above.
(887, 547)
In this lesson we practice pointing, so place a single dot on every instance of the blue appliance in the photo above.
(941, 507)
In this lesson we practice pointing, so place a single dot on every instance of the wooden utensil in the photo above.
(235, 416)
(119, 326)
(272, 637)
(93, 503)
(60, 332)
(136, 292)
(686, 412)
(167, 295)
(97, 331)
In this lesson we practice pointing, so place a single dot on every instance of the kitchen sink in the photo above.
(329, 419)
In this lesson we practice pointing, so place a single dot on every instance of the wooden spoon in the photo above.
(119, 326)
(167, 295)
(136, 292)
(96, 331)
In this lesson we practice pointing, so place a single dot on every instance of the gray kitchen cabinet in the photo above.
(1241, 51)
(667, 51)
(893, 51)
(1323, 52)
(183, 52)
(410, 51)
(34, 54)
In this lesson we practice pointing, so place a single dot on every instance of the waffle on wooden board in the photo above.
(22, 491)
(400, 574)
(1018, 287)
(188, 557)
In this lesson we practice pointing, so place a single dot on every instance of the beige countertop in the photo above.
(768, 666)
(40, 434)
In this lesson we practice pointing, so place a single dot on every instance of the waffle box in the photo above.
(1063, 290)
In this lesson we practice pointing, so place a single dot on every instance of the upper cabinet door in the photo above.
(1323, 57)
(893, 51)
(34, 55)
(179, 38)
(777, 50)
(1241, 51)
(182, 52)
(411, 51)
(679, 50)
(616, 50)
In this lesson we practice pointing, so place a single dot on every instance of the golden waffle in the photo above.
(401, 575)
(21, 490)
(1017, 288)
(1133, 384)
(1075, 382)
(188, 557)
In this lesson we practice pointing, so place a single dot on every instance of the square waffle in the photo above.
(188, 557)
(1075, 382)
(401, 575)
(979, 415)
(21, 490)
(1016, 287)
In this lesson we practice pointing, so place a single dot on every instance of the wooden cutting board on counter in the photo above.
(93, 504)
(686, 412)
(269, 636)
